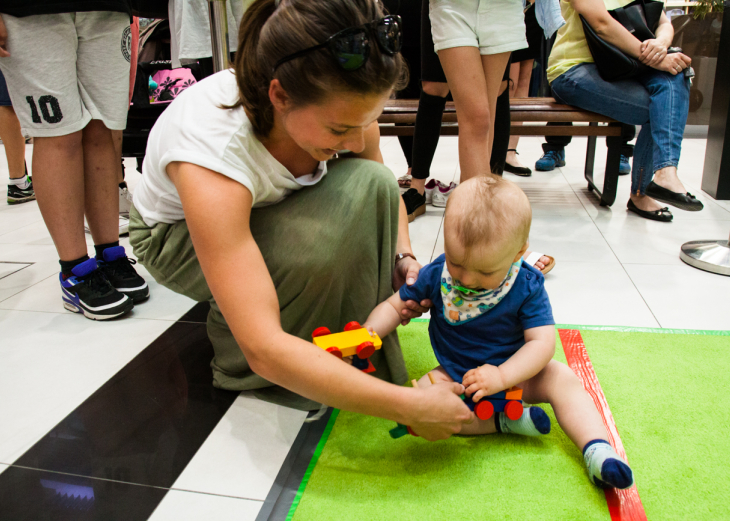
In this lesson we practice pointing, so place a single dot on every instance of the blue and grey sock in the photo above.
(606, 469)
(22, 182)
(533, 422)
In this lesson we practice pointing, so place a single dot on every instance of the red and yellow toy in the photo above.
(354, 341)
(509, 401)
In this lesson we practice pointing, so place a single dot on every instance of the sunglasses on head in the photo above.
(351, 46)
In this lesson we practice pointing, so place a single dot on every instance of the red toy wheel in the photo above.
(513, 410)
(335, 351)
(320, 331)
(352, 326)
(365, 350)
(484, 410)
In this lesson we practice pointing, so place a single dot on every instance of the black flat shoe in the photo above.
(682, 201)
(662, 215)
(521, 171)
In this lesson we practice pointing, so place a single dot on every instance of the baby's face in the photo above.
(484, 267)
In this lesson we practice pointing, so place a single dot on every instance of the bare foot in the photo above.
(541, 262)
(646, 203)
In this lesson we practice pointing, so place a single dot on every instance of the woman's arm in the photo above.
(217, 211)
(595, 13)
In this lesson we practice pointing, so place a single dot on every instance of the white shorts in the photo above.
(66, 69)
(494, 26)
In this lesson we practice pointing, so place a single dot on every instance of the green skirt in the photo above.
(329, 249)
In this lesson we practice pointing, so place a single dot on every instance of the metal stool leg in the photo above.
(219, 33)
(712, 256)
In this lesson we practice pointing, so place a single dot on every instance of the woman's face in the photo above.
(339, 123)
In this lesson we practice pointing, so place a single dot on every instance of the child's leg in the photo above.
(58, 179)
(577, 415)
(14, 142)
(101, 188)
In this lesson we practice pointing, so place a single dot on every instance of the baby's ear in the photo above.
(522, 251)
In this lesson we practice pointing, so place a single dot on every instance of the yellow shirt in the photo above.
(570, 47)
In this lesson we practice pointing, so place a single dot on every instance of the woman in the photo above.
(657, 100)
(310, 80)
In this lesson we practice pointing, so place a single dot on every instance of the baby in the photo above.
(492, 326)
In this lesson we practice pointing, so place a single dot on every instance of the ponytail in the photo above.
(271, 30)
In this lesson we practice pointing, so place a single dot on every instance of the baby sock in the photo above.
(606, 469)
(533, 422)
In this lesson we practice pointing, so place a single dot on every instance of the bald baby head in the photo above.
(488, 211)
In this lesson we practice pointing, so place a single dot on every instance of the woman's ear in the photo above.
(278, 96)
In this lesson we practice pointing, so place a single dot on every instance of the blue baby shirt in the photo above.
(490, 338)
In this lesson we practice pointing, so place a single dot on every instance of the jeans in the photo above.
(656, 100)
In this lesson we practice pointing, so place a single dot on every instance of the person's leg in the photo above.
(520, 74)
(577, 415)
(474, 82)
(428, 130)
(502, 124)
(626, 101)
(58, 168)
(13, 141)
(101, 189)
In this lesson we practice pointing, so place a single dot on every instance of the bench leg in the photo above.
(613, 160)
(590, 156)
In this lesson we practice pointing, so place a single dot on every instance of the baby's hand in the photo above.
(483, 381)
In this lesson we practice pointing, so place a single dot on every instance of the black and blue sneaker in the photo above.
(117, 268)
(88, 291)
(550, 160)
(624, 167)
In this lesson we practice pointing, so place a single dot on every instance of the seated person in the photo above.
(492, 326)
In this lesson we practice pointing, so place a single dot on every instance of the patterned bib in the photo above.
(460, 308)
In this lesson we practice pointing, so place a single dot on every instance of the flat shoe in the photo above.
(662, 215)
(682, 201)
(521, 171)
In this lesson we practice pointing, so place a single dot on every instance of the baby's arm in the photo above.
(386, 316)
(529, 360)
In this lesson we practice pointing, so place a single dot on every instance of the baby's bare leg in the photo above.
(557, 385)
(477, 426)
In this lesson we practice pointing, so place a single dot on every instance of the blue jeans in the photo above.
(656, 100)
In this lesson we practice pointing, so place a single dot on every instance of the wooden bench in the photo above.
(399, 117)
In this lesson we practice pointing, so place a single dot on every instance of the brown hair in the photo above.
(489, 211)
(269, 32)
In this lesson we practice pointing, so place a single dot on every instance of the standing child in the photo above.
(492, 325)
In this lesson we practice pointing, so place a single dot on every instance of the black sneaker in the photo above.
(88, 291)
(117, 267)
(18, 195)
(415, 203)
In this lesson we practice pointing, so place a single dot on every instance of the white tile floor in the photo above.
(613, 268)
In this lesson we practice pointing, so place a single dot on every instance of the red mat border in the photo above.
(623, 505)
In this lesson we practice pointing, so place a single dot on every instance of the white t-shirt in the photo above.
(196, 129)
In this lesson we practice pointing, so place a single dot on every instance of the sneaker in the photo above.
(125, 200)
(89, 292)
(430, 187)
(123, 225)
(117, 268)
(415, 204)
(624, 166)
(18, 195)
(441, 194)
(550, 160)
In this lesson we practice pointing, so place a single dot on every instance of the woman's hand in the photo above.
(439, 412)
(652, 52)
(674, 63)
(406, 272)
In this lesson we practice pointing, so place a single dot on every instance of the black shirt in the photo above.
(22, 8)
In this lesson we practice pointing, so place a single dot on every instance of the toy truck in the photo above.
(354, 341)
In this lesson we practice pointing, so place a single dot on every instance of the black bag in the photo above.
(640, 18)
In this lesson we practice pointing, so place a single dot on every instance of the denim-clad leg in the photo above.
(656, 96)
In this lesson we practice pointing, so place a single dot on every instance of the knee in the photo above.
(435, 88)
(475, 120)
(97, 134)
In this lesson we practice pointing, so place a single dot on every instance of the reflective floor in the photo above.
(119, 420)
